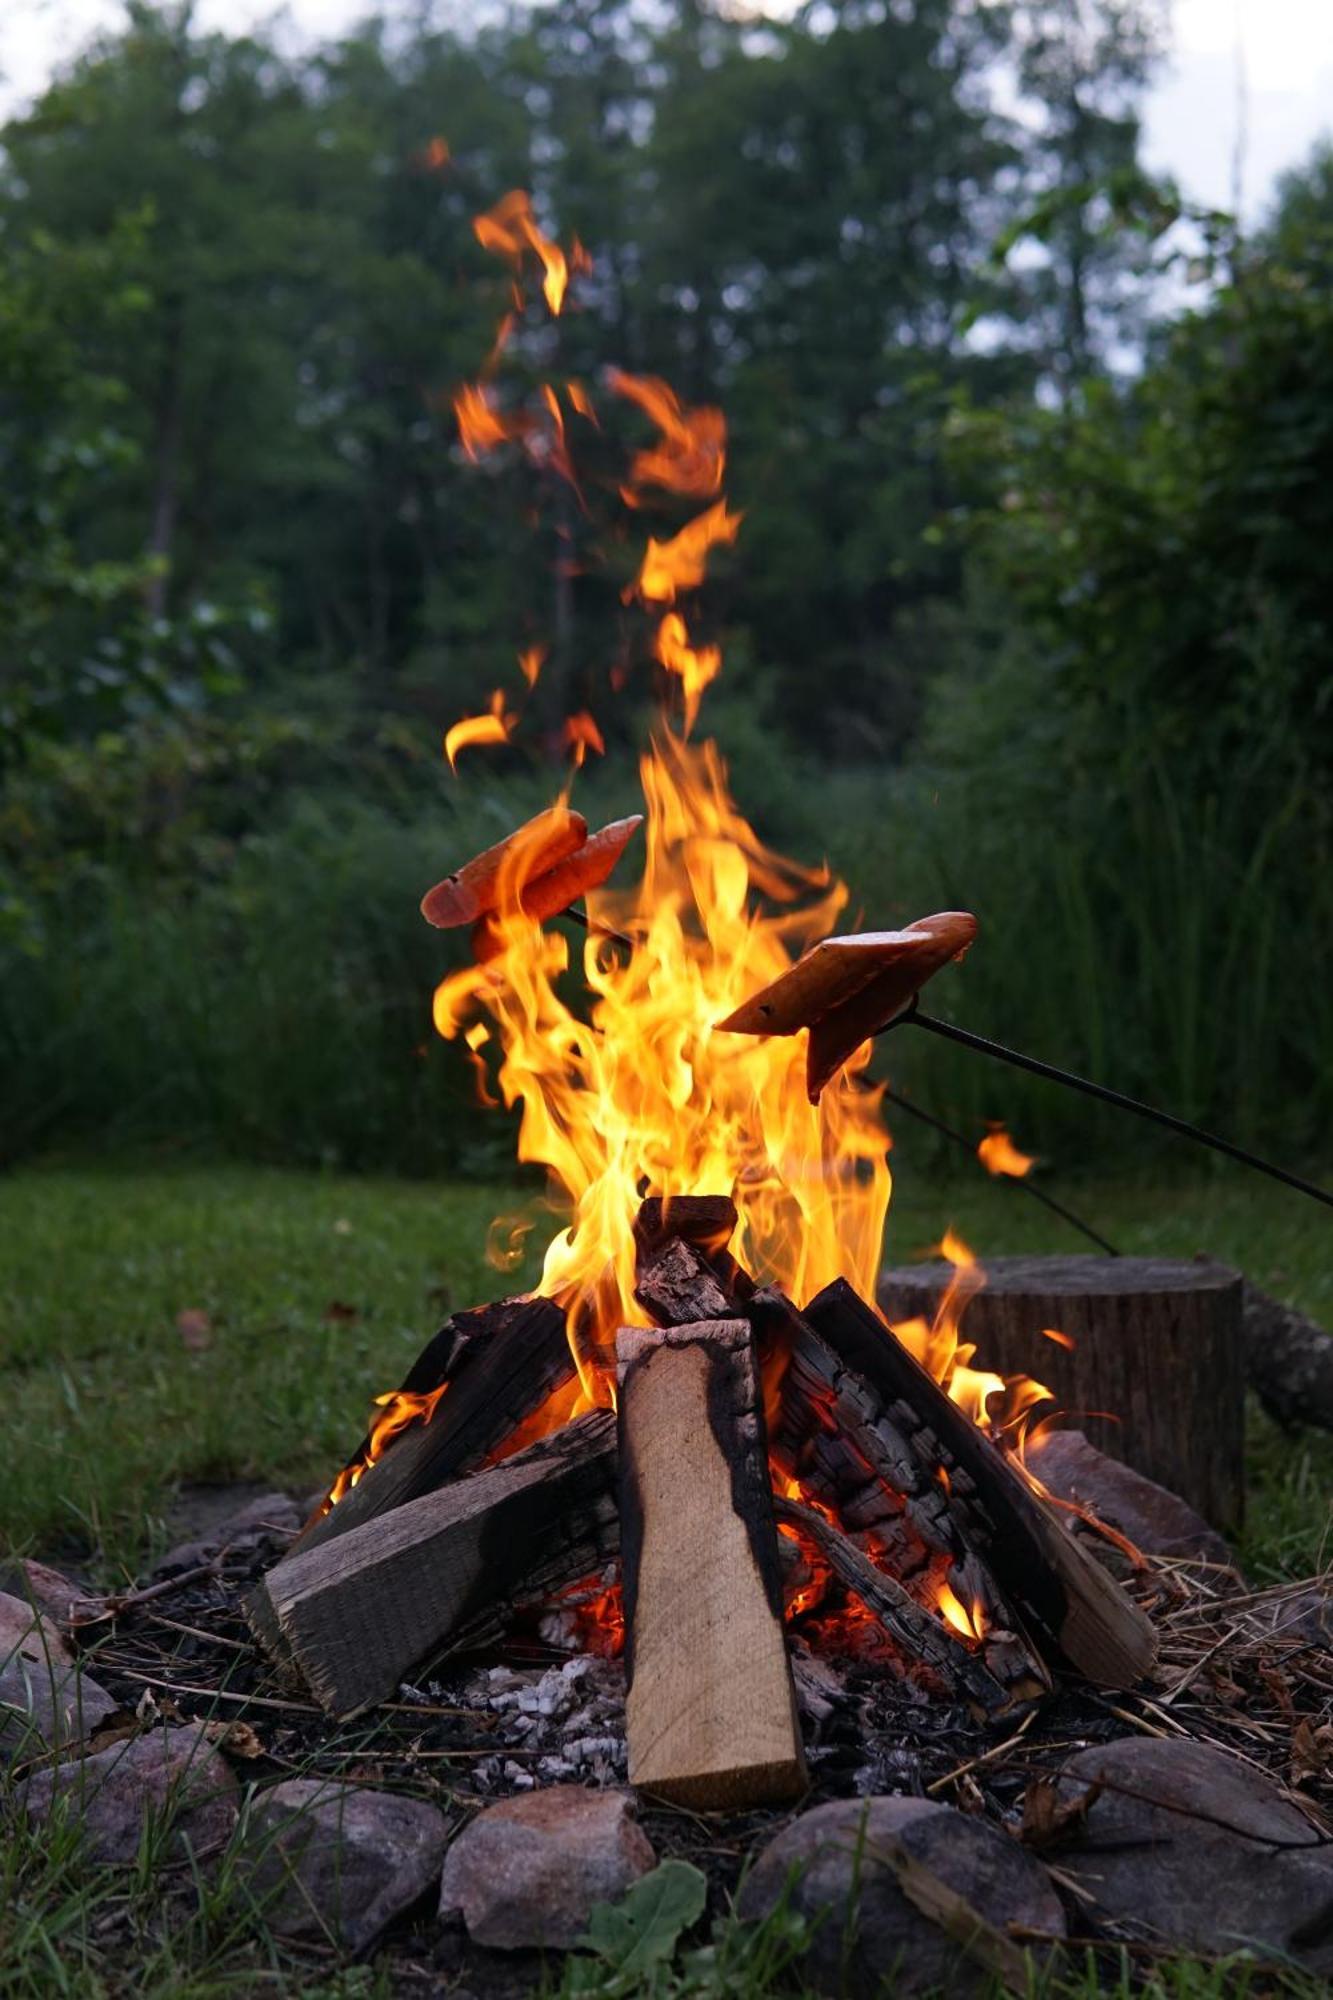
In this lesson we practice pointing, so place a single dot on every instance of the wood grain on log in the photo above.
(1071, 1608)
(355, 1615)
(516, 1356)
(710, 1710)
(1156, 1373)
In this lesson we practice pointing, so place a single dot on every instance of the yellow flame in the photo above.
(497, 725)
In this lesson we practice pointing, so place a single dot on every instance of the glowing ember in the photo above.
(999, 1155)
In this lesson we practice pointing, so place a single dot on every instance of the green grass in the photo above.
(104, 1409)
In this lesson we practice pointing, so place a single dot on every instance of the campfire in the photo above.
(697, 1434)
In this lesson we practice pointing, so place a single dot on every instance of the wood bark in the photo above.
(355, 1615)
(710, 1708)
(1289, 1359)
(675, 1284)
(1075, 1613)
(1156, 1373)
(515, 1358)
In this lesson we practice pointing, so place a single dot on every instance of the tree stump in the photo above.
(1156, 1372)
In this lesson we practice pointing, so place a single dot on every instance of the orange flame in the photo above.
(580, 735)
(999, 1155)
(680, 564)
(1065, 1340)
(434, 155)
(480, 426)
(530, 663)
(691, 454)
(939, 1349)
(694, 667)
(496, 726)
(969, 1624)
(511, 228)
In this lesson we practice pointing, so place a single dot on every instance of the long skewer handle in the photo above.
(1108, 1096)
(1019, 1181)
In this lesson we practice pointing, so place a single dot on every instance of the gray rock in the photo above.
(269, 1520)
(528, 1870)
(170, 1776)
(339, 1861)
(25, 1629)
(869, 1932)
(1206, 1855)
(46, 1705)
(48, 1589)
(1301, 1617)
(1155, 1520)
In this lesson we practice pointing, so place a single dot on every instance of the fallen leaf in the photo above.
(342, 1227)
(1046, 1819)
(195, 1328)
(238, 1739)
(340, 1313)
(1311, 1750)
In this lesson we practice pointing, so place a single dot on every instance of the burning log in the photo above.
(676, 1285)
(354, 1615)
(963, 1674)
(1158, 1343)
(710, 1709)
(1072, 1609)
(511, 1360)
(833, 1432)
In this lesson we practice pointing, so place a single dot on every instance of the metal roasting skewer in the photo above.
(1036, 1067)
(599, 930)
(1019, 1181)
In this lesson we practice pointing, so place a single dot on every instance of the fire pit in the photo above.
(694, 1513)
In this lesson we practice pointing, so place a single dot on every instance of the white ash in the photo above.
(565, 1723)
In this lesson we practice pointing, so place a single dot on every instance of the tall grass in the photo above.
(282, 1011)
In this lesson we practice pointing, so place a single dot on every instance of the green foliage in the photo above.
(63, 609)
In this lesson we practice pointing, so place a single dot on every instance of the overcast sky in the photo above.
(1285, 51)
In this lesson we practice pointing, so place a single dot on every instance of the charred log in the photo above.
(354, 1615)
(513, 1358)
(1070, 1607)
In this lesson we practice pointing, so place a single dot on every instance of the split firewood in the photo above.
(354, 1616)
(710, 1709)
(1289, 1360)
(546, 895)
(523, 1364)
(537, 846)
(917, 1633)
(849, 988)
(1070, 1606)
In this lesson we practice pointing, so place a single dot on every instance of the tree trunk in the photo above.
(1156, 1371)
